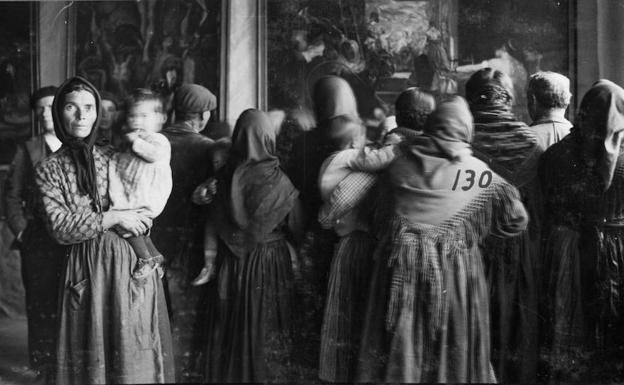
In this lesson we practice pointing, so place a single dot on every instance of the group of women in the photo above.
(468, 254)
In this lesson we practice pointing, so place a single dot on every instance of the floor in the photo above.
(13, 353)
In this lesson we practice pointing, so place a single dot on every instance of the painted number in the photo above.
(484, 179)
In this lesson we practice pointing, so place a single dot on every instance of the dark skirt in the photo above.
(586, 287)
(220, 301)
(42, 263)
(347, 292)
(261, 336)
(513, 307)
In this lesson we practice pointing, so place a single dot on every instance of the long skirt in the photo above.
(42, 263)
(427, 318)
(586, 287)
(347, 292)
(513, 306)
(113, 329)
(261, 336)
(219, 302)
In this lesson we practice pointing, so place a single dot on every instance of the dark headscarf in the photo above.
(260, 195)
(509, 146)
(80, 150)
(600, 117)
(490, 95)
(333, 97)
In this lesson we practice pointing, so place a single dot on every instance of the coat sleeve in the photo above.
(348, 194)
(66, 224)
(510, 216)
(14, 189)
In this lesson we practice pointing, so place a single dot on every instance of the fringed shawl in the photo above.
(423, 178)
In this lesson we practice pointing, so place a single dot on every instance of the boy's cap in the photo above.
(193, 98)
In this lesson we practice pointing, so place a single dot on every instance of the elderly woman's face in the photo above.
(79, 113)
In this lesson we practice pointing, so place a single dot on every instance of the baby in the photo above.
(139, 174)
(346, 176)
(203, 195)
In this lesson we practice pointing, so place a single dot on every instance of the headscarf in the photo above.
(448, 131)
(80, 150)
(509, 146)
(423, 179)
(334, 104)
(333, 97)
(260, 194)
(600, 117)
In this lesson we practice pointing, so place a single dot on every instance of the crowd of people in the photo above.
(462, 246)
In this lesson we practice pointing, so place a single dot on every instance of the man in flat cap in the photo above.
(174, 231)
(178, 231)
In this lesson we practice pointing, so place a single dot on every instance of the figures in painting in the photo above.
(148, 43)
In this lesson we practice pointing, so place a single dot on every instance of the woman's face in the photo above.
(79, 113)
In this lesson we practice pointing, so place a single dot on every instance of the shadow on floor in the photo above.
(14, 368)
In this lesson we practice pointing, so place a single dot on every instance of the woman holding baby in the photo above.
(113, 328)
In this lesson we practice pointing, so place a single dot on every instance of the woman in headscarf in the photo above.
(512, 150)
(583, 179)
(412, 109)
(428, 318)
(334, 106)
(351, 170)
(253, 214)
(112, 329)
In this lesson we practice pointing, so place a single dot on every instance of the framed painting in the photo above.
(157, 44)
(384, 46)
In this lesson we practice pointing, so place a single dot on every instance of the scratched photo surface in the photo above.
(389, 215)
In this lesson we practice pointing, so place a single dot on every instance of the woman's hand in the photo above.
(128, 221)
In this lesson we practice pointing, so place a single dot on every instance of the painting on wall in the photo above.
(17, 55)
(157, 44)
(384, 46)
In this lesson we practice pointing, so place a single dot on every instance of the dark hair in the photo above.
(105, 95)
(412, 108)
(489, 86)
(41, 93)
(140, 95)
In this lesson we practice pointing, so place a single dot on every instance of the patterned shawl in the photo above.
(508, 146)
(423, 179)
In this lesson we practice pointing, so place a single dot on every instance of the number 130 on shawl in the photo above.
(484, 179)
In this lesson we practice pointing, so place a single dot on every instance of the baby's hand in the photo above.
(392, 139)
(205, 192)
(132, 136)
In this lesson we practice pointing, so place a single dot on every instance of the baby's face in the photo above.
(144, 116)
(218, 159)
